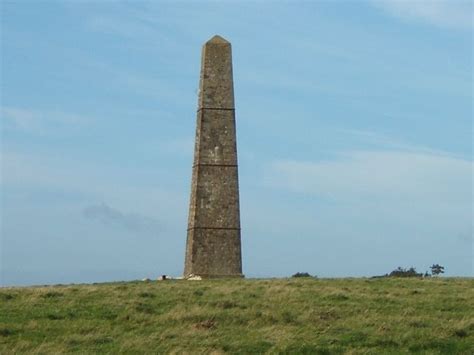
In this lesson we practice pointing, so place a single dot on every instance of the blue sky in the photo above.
(354, 129)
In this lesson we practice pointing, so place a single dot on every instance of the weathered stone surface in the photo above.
(213, 253)
(216, 89)
(213, 247)
(215, 137)
(217, 198)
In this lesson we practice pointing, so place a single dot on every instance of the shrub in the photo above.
(301, 274)
(401, 272)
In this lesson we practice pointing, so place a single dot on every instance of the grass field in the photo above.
(291, 316)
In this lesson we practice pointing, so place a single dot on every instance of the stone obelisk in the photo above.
(213, 246)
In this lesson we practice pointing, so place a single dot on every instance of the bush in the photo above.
(401, 272)
(301, 274)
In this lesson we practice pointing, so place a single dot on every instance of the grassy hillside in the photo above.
(293, 316)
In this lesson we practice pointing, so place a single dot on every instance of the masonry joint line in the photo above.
(217, 165)
(215, 109)
(216, 228)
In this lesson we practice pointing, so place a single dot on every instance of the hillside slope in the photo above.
(294, 316)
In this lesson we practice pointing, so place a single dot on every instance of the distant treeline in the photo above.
(436, 270)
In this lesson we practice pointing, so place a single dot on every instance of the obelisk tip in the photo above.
(217, 40)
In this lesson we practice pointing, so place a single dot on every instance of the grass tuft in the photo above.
(461, 333)
(206, 324)
(146, 295)
(6, 296)
(55, 316)
(6, 332)
(144, 308)
(52, 294)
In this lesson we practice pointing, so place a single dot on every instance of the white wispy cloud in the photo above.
(39, 121)
(443, 13)
(124, 27)
(386, 175)
(387, 142)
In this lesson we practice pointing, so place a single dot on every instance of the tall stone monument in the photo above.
(213, 242)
